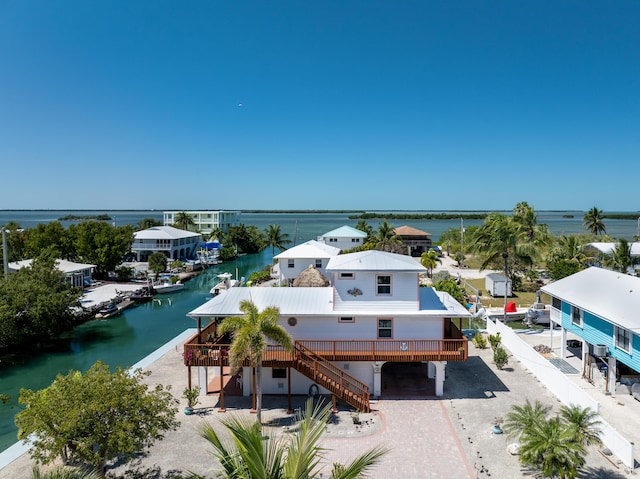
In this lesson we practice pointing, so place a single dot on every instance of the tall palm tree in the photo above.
(549, 446)
(594, 221)
(430, 260)
(183, 220)
(250, 333)
(521, 418)
(527, 218)
(385, 239)
(620, 258)
(247, 455)
(583, 422)
(501, 238)
(276, 239)
(365, 227)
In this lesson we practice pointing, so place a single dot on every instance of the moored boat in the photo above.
(166, 286)
(226, 282)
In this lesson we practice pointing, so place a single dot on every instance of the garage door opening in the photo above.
(406, 380)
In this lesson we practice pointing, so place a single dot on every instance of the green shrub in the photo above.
(494, 340)
(479, 341)
(500, 357)
(258, 277)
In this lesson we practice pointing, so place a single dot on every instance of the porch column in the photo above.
(563, 343)
(431, 370)
(203, 379)
(611, 375)
(439, 367)
(377, 379)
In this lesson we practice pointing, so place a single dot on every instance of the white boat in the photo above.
(166, 286)
(498, 314)
(226, 282)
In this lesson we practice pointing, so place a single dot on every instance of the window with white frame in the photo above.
(291, 263)
(383, 283)
(576, 316)
(556, 303)
(346, 319)
(385, 328)
(347, 276)
(622, 338)
(318, 263)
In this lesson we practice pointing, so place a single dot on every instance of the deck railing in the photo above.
(216, 354)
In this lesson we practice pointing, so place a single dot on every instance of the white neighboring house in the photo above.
(344, 238)
(76, 274)
(206, 221)
(295, 260)
(374, 313)
(173, 242)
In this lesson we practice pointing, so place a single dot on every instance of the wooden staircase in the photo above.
(326, 374)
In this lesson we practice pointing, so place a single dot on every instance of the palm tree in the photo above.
(183, 220)
(250, 333)
(430, 260)
(620, 258)
(385, 239)
(276, 239)
(527, 218)
(365, 227)
(583, 422)
(521, 418)
(594, 221)
(216, 234)
(502, 237)
(249, 454)
(549, 446)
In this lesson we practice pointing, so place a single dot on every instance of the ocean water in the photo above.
(302, 227)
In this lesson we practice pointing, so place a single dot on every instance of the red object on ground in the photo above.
(511, 307)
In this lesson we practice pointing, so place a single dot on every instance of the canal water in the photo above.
(125, 339)
(119, 341)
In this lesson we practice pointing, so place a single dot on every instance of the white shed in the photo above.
(496, 283)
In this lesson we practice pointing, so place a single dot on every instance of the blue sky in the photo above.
(319, 104)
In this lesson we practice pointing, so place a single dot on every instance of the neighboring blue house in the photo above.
(602, 307)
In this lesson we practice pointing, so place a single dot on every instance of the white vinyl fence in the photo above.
(563, 388)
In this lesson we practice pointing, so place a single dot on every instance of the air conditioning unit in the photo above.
(600, 350)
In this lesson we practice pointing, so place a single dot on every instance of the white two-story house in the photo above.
(173, 242)
(373, 313)
(344, 238)
(293, 261)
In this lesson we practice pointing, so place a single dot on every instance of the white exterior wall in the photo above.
(363, 327)
(206, 221)
(343, 243)
(300, 264)
(404, 291)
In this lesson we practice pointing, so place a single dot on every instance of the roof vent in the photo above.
(600, 350)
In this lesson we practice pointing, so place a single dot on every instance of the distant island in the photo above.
(419, 216)
(102, 217)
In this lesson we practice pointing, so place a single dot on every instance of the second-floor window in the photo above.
(318, 263)
(383, 284)
(576, 316)
(556, 303)
(623, 338)
(291, 263)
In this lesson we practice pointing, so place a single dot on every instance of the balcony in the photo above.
(198, 352)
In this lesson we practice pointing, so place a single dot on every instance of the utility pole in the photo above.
(462, 236)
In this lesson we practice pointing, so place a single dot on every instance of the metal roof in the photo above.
(345, 232)
(319, 302)
(164, 232)
(61, 264)
(310, 249)
(373, 260)
(612, 296)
